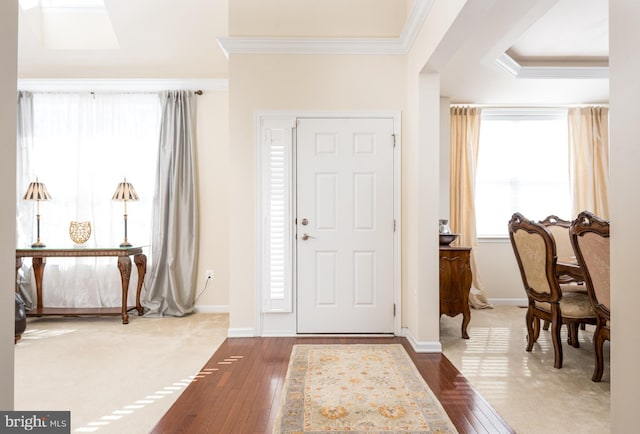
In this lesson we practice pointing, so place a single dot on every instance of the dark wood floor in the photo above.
(239, 389)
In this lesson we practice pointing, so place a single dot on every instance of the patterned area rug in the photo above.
(357, 389)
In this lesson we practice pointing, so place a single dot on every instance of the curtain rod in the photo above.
(516, 106)
(120, 84)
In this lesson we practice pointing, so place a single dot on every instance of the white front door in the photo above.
(345, 225)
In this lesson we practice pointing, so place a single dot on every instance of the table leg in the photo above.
(124, 265)
(141, 264)
(18, 265)
(38, 272)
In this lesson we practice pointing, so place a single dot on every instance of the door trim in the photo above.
(284, 323)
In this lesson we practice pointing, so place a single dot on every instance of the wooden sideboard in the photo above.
(455, 283)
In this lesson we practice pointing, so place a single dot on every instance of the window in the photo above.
(276, 215)
(523, 166)
(81, 146)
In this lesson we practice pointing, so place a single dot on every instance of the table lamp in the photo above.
(125, 192)
(37, 191)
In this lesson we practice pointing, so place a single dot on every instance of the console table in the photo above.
(123, 254)
(455, 283)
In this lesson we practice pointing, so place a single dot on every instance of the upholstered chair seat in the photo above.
(572, 304)
(573, 287)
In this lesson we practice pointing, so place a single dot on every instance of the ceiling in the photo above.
(179, 39)
(164, 38)
(557, 53)
(572, 30)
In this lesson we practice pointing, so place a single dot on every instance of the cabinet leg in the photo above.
(466, 317)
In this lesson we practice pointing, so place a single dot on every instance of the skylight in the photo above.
(71, 3)
(71, 24)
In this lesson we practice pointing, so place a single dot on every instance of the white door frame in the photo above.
(284, 323)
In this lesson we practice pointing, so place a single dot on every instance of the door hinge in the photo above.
(394, 140)
(394, 225)
(394, 310)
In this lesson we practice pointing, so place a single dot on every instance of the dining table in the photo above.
(570, 267)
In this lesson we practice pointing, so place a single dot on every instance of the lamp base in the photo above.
(38, 244)
(126, 244)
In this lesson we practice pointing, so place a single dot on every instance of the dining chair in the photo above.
(535, 253)
(590, 240)
(559, 229)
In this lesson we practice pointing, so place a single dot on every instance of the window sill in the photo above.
(498, 239)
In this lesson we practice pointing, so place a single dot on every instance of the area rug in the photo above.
(357, 389)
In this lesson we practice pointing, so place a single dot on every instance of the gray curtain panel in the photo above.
(172, 278)
(24, 147)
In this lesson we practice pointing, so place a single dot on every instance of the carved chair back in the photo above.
(535, 253)
(590, 240)
(559, 228)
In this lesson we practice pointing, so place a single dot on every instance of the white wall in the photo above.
(8, 87)
(624, 70)
(445, 158)
(498, 272)
(421, 174)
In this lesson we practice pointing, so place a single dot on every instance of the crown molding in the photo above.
(240, 45)
(517, 70)
(414, 23)
(285, 45)
(121, 84)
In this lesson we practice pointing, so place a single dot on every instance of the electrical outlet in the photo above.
(209, 274)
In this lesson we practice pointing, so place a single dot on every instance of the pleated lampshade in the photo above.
(37, 191)
(125, 191)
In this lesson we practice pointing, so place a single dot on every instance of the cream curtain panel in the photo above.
(589, 159)
(465, 136)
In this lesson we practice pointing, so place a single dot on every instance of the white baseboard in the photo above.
(211, 308)
(421, 347)
(508, 301)
(278, 334)
(241, 332)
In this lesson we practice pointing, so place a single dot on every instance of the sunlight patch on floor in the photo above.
(149, 399)
(44, 333)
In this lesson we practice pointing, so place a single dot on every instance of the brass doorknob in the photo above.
(305, 237)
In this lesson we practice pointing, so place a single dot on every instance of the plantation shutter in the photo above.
(276, 215)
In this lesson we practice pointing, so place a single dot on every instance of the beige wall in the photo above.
(624, 206)
(8, 86)
(293, 83)
(317, 18)
(212, 160)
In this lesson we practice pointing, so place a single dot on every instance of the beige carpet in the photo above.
(524, 388)
(114, 378)
(357, 388)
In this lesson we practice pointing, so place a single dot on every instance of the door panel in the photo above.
(344, 225)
